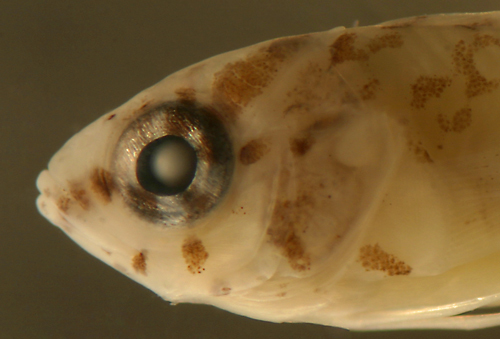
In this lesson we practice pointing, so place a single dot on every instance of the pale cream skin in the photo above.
(361, 186)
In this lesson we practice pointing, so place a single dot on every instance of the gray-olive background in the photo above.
(65, 63)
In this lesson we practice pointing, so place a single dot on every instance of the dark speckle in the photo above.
(373, 258)
(343, 49)
(368, 91)
(463, 59)
(420, 152)
(80, 196)
(101, 182)
(253, 151)
(460, 121)
(390, 40)
(287, 224)
(238, 83)
(111, 116)
(300, 146)
(63, 203)
(194, 254)
(139, 262)
(426, 87)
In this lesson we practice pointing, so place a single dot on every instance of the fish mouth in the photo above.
(46, 204)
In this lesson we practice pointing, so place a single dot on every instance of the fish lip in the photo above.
(45, 202)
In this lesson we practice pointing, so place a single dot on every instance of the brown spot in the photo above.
(195, 254)
(423, 155)
(281, 294)
(463, 59)
(343, 50)
(426, 87)
(484, 40)
(139, 262)
(390, 40)
(101, 182)
(239, 82)
(186, 94)
(373, 258)
(369, 89)
(420, 152)
(76, 194)
(253, 151)
(460, 121)
(440, 146)
(63, 203)
(80, 196)
(300, 146)
(286, 223)
(111, 116)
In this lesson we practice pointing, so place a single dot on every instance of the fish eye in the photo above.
(167, 165)
(173, 163)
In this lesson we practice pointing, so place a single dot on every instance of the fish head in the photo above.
(273, 165)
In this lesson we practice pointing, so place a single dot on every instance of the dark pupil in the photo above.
(167, 165)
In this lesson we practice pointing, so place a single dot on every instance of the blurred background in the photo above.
(64, 64)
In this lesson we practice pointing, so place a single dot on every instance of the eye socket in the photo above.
(173, 163)
(166, 166)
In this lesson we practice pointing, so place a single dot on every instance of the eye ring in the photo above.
(200, 128)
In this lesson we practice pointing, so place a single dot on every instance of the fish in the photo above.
(348, 178)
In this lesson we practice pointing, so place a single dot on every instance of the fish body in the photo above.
(348, 178)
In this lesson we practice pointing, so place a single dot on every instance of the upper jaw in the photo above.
(46, 201)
